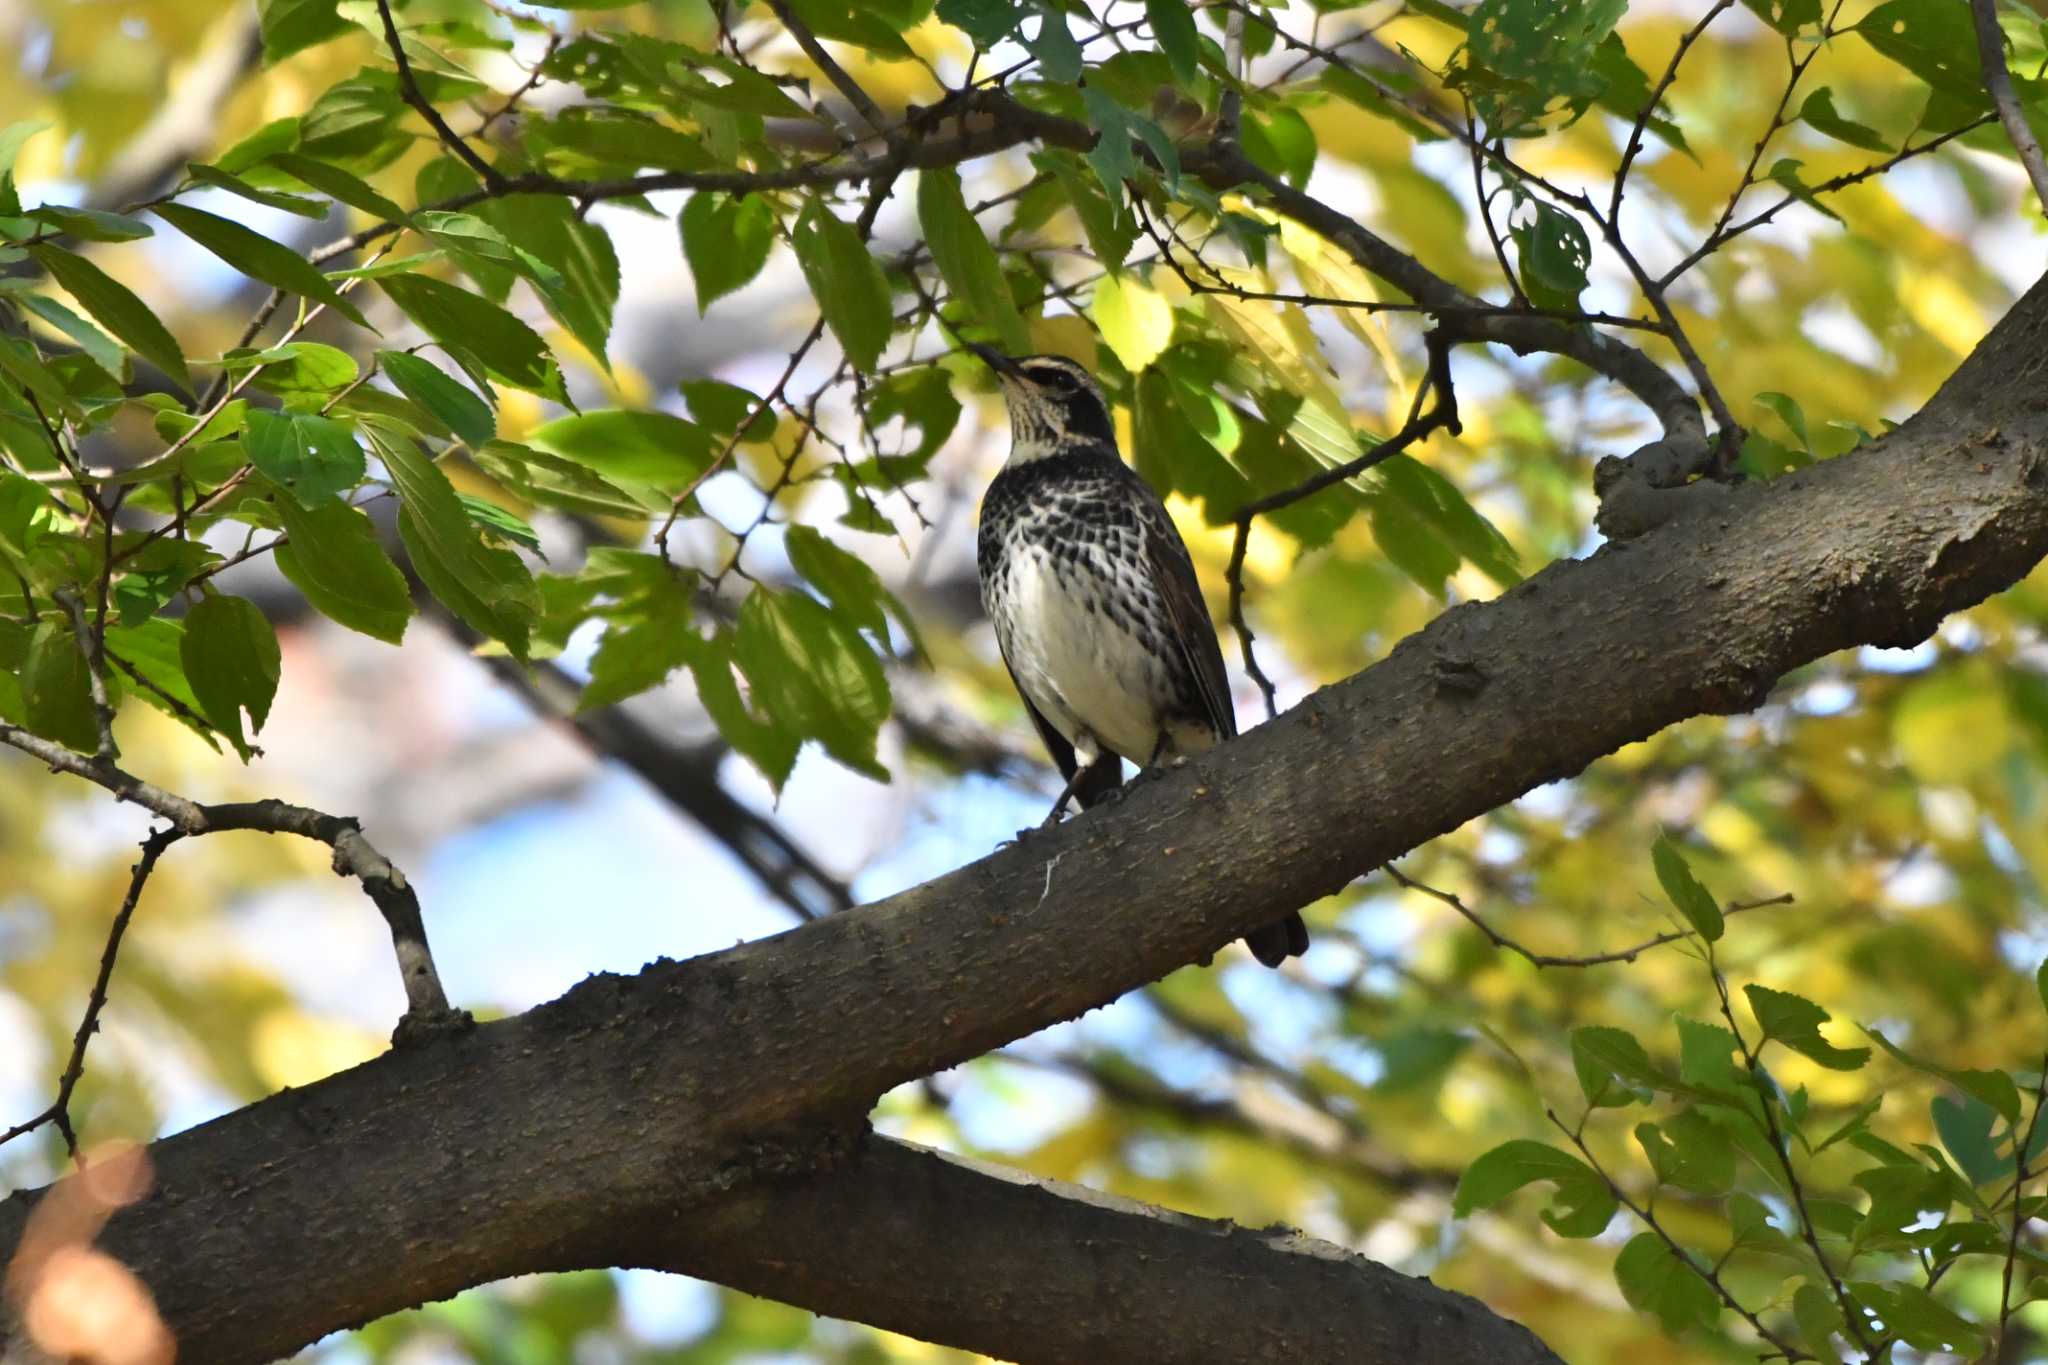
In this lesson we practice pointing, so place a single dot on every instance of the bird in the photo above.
(1094, 600)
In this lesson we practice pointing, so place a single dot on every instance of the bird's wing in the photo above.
(1055, 743)
(1188, 614)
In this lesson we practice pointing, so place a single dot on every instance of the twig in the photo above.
(832, 70)
(427, 1010)
(1851, 1318)
(1648, 1217)
(1649, 109)
(59, 1111)
(1500, 940)
(92, 645)
(493, 179)
(1442, 413)
(2019, 1219)
(1998, 82)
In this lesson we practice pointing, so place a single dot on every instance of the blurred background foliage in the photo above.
(1894, 798)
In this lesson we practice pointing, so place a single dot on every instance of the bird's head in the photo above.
(1055, 404)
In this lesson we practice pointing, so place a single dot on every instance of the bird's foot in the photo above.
(1158, 770)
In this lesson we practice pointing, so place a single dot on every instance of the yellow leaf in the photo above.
(1951, 726)
(1135, 321)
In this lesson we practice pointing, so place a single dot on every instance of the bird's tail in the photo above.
(1272, 944)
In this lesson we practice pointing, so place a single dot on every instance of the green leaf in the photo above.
(2041, 982)
(570, 263)
(312, 458)
(1995, 1088)
(726, 240)
(1919, 1319)
(1534, 52)
(1111, 156)
(1795, 1022)
(846, 282)
(258, 257)
(93, 225)
(1584, 1203)
(1555, 254)
(849, 584)
(337, 184)
(1424, 513)
(332, 555)
(1788, 411)
(1819, 114)
(1786, 16)
(987, 22)
(19, 362)
(1705, 1058)
(1689, 1151)
(149, 655)
(1110, 229)
(1654, 1279)
(762, 741)
(814, 675)
(616, 138)
(650, 450)
(1684, 891)
(1785, 173)
(103, 350)
(292, 25)
(723, 407)
(1612, 1067)
(495, 520)
(56, 689)
(231, 662)
(1934, 40)
(1173, 28)
(302, 205)
(306, 374)
(553, 481)
(467, 325)
(1059, 56)
(1965, 1130)
(1819, 1316)
(115, 308)
(965, 259)
(440, 393)
(487, 587)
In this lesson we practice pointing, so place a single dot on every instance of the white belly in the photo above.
(1089, 676)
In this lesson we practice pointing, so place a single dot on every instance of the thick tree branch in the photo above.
(568, 1135)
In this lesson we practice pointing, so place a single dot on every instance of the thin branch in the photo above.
(1442, 413)
(1721, 236)
(59, 1110)
(409, 88)
(1500, 940)
(427, 1008)
(1851, 1317)
(1648, 1217)
(1649, 109)
(92, 645)
(2019, 1219)
(830, 68)
(1998, 81)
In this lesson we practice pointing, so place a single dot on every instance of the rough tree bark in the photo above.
(706, 1115)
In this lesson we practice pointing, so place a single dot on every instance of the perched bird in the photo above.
(1094, 600)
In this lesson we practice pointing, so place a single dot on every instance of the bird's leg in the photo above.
(1059, 807)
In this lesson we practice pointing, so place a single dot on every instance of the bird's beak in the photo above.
(1004, 367)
